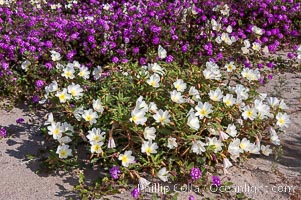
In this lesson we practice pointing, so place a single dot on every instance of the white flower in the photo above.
(231, 130)
(50, 119)
(245, 50)
(229, 29)
(25, 65)
(177, 97)
(84, 72)
(241, 92)
(53, 86)
(78, 112)
(251, 75)
(230, 66)
(141, 104)
(162, 117)
(153, 107)
(155, 68)
(180, 85)
(215, 26)
(245, 144)
(249, 113)
(75, 91)
(154, 80)
(148, 147)
(126, 158)
(262, 109)
(64, 140)
(64, 151)
(97, 106)
(63, 95)
(95, 136)
(216, 95)
(212, 71)
(161, 52)
(149, 133)
(143, 183)
(203, 110)
(254, 148)
(234, 148)
(111, 143)
(265, 50)
(90, 116)
(273, 136)
(55, 56)
(193, 122)
(273, 102)
(257, 30)
(217, 145)
(247, 43)
(171, 143)
(56, 130)
(163, 174)
(97, 72)
(282, 105)
(96, 147)
(223, 136)
(256, 46)
(266, 150)
(68, 128)
(198, 147)
(227, 163)
(282, 120)
(68, 73)
(229, 100)
(138, 116)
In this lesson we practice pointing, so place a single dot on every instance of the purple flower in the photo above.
(195, 173)
(39, 84)
(115, 171)
(216, 181)
(169, 58)
(3, 132)
(20, 120)
(48, 66)
(35, 99)
(135, 193)
(191, 197)
(270, 76)
(115, 59)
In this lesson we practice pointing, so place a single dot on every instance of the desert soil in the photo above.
(260, 178)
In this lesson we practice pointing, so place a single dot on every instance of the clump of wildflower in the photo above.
(135, 193)
(195, 173)
(3, 132)
(216, 181)
(114, 172)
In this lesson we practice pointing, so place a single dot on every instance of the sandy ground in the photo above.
(259, 178)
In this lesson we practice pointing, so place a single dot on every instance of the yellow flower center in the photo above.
(242, 145)
(162, 119)
(63, 153)
(62, 97)
(56, 131)
(228, 102)
(148, 150)
(281, 121)
(96, 138)
(134, 118)
(203, 112)
(68, 74)
(81, 73)
(88, 118)
(249, 113)
(124, 159)
(73, 92)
